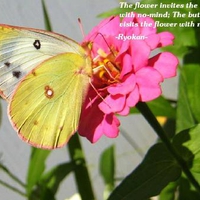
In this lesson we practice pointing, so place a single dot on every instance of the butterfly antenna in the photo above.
(111, 18)
(81, 27)
(98, 93)
(107, 44)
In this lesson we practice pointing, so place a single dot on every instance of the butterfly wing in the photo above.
(46, 105)
(22, 49)
(44, 76)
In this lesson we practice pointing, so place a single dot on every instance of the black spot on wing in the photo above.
(16, 74)
(37, 44)
(7, 64)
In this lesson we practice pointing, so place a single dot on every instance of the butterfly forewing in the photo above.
(21, 50)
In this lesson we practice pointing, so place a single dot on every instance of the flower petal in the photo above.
(133, 97)
(127, 85)
(127, 65)
(90, 111)
(140, 52)
(112, 104)
(153, 41)
(166, 38)
(92, 131)
(148, 81)
(110, 126)
(166, 63)
(146, 30)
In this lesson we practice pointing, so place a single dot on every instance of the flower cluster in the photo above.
(124, 72)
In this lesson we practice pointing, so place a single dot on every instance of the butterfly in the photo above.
(44, 77)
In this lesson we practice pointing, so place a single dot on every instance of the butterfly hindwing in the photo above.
(22, 49)
(46, 105)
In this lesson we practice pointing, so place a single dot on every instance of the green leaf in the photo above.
(112, 12)
(107, 165)
(185, 118)
(186, 191)
(36, 167)
(49, 183)
(169, 192)
(41, 192)
(55, 176)
(107, 169)
(156, 170)
(192, 79)
(160, 107)
(187, 144)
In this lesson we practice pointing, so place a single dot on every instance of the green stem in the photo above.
(12, 188)
(48, 26)
(146, 112)
(132, 142)
(12, 176)
(81, 172)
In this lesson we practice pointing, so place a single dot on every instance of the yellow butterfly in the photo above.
(44, 77)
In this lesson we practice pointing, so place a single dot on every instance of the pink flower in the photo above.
(124, 72)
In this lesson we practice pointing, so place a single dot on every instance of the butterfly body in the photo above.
(45, 77)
